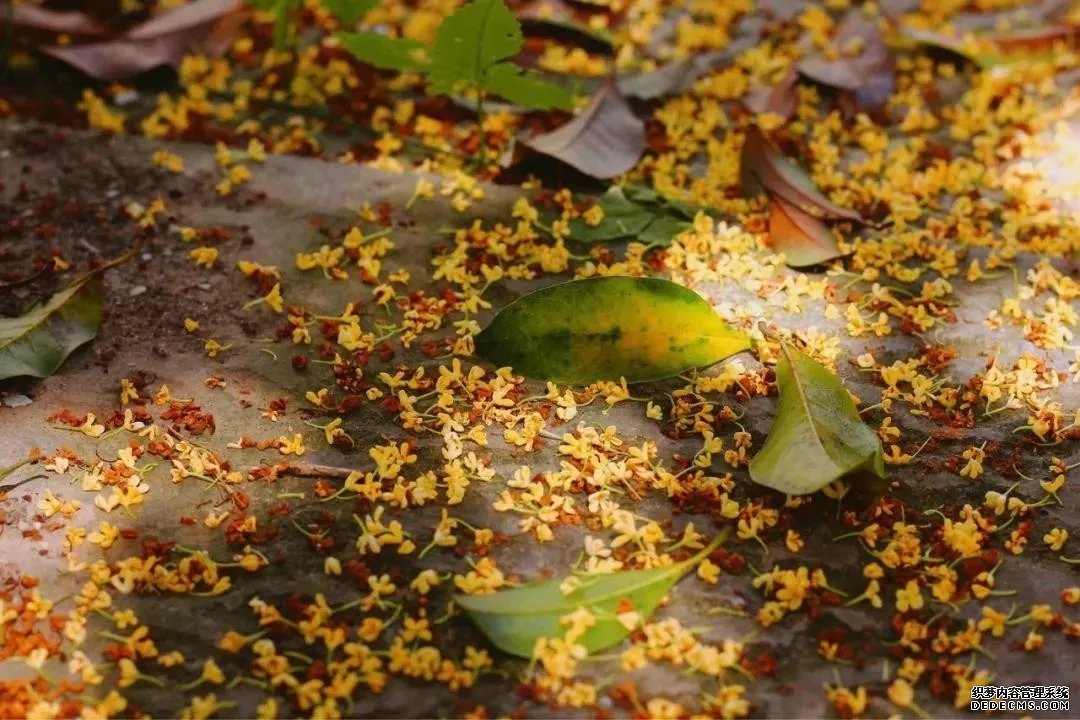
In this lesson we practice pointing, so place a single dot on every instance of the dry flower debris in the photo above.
(964, 176)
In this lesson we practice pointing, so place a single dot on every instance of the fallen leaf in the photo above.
(604, 140)
(778, 175)
(556, 20)
(663, 230)
(817, 436)
(623, 218)
(803, 239)
(868, 76)
(34, 17)
(206, 26)
(38, 342)
(994, 50)
(673, 78)
(513, 620)
(604, 328)
(778, 99)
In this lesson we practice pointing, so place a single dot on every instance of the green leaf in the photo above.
(642, 194)
(349, 12)
(817, 436)
(385, 52)
(604, 328)
(622, 219)
(513, 620)
(508, 81)
(39, 342)
(663, 230)
(470, 41)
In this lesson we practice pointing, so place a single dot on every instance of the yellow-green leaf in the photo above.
(514, 619)
(37, 343)
(605, 328)
(817, 436)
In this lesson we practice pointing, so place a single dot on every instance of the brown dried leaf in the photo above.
(804, 240)
(869, 76)
(604, 140)
(557, 20)
(778, 99)
(675, 77)
(779, 176)
(33, 17)
(205, 26)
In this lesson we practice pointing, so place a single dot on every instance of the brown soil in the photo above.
(66, 198)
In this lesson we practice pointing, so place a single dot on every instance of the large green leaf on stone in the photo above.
(619, 602)
(37, 343)
(817, 436)
(605, 328)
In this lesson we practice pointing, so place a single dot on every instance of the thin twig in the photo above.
(314, 470)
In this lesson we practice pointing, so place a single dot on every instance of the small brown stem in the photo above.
(314, 470)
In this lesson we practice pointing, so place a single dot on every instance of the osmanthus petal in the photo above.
(606, 328)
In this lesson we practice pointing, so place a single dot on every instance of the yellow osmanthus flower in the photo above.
(1056, 538)
(909, 597)
(204, 256)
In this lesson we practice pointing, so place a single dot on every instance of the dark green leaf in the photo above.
(817, 436)
(663, 230)
(349, 12)
(39, 342)
(514, 619)
(385, 52)
(471, 40)
(622, 219)
(640, 194)
(604, 328)
(508, 81)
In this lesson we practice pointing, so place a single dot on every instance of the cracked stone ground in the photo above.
(256, 491)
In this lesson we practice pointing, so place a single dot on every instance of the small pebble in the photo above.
(16, 400)
(137, 290)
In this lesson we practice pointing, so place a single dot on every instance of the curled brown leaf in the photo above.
(206, 26)
(605, 139)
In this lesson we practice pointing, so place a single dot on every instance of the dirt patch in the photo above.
(65, 209)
